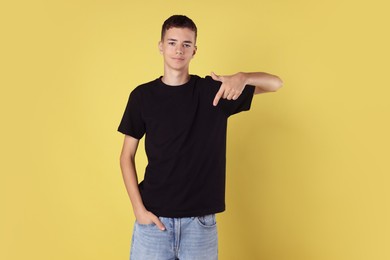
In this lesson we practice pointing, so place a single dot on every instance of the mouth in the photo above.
(178, 60)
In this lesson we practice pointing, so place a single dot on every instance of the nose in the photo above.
(179, 50)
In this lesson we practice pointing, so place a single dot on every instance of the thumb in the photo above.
(215, 77)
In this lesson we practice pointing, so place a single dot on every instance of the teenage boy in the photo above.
(184, 120)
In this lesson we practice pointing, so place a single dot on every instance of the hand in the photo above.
(148, 217)
(231, 88)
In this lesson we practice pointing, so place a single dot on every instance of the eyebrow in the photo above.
(174, 40)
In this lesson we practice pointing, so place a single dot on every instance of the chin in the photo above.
(180, 68)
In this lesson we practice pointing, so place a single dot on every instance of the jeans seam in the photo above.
(132, 243)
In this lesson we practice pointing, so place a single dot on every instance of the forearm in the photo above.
(130, 179)
(264, 82)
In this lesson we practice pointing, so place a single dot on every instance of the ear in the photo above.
(195, 50)
(160, 46)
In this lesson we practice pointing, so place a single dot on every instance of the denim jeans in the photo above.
(189, 238)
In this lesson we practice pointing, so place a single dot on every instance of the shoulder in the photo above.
(208, 84)
(207, 80)
(145, 86)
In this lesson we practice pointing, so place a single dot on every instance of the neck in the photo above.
(175, 78)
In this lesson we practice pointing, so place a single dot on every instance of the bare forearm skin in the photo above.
(130, 179)
(129, 174)
(264, 82)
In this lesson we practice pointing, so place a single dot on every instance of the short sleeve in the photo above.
(231, 107)
(132, 123)
(242, 103)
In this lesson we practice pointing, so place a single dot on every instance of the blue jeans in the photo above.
(184, 239)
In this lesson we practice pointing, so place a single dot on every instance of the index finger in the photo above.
(218, 96)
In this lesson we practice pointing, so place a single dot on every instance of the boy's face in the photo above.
(178, 47)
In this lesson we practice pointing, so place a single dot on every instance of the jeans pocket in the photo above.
(207, 221)
(145, 225)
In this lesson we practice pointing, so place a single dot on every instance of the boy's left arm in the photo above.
(233, 85)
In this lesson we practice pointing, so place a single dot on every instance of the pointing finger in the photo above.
(218, 96)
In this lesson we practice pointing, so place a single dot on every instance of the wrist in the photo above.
(138, 211)
(244, 77)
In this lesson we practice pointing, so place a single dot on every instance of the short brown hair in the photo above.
(178, 21)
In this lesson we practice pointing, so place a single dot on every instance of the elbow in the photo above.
(125, 159)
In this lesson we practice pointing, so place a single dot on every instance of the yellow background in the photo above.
(308, 166)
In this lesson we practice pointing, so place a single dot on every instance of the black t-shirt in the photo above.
(185, 143)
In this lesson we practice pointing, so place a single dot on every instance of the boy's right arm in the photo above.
(129, 174)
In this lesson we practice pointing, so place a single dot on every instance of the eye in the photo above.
(171, 43)
(187, 45)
